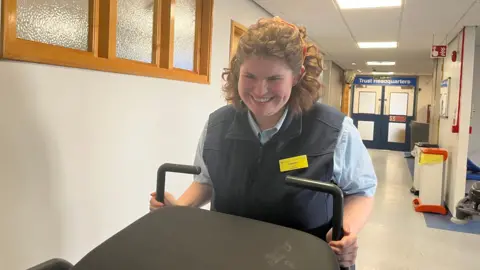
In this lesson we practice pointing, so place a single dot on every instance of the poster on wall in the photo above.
(444, 90)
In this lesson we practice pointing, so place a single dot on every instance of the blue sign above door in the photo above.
(393, 81)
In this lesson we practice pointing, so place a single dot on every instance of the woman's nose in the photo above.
(260, 87)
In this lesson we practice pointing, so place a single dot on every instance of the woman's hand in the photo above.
(346, 248)
(168, 199)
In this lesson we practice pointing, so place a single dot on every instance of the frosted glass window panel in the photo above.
(184, 35)
(366, 129)
(367, 102)
(54, 22)
(396, 132)
(135, 30)
(398, 103)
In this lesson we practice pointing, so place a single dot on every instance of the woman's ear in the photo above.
(299, 77)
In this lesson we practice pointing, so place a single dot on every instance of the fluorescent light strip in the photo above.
(377, 45)
(382, 73)
(355, 4)
(380, 63)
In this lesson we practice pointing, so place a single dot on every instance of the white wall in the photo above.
(79, 149)
(435, 116)
(474, 143)
(424, 97)
(332, 85)
(457, 143)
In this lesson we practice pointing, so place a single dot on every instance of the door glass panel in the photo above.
(398, 103)
(135, 30)
(396, 132)
(366, 129)
(367, 102)
(54, 22)
(184, 41)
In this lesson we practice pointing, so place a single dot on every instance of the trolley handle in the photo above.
(169, 167)
(335, 191)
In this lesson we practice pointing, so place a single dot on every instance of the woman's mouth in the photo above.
(262, 100)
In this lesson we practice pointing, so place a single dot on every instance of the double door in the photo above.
(383, 114)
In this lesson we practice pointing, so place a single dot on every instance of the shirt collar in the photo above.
(256, 129)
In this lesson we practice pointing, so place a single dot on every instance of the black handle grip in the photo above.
(56, 263)
(169, 167)
(337, 194)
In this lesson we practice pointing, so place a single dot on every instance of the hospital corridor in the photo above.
(239, 134)
(396, 233)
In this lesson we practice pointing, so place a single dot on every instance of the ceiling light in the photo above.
(352, 4)
(378, 63)
(354, 64)
(377, 45)
(382, 73)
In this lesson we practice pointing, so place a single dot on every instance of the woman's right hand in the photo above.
(168, 199)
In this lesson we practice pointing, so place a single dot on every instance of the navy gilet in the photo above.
(246, 175)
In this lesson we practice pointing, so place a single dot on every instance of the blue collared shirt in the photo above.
(266, 135)
(353, 169)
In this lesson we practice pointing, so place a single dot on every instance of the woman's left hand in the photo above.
(346, 248)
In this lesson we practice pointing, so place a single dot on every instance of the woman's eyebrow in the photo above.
(275, 77)
(248, 74)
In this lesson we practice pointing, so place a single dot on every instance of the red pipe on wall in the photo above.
(456, 126)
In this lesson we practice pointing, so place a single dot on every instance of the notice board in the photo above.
(444, 91)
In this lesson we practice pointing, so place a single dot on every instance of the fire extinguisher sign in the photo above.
(438, 51)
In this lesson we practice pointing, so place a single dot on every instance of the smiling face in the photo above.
(265, 85)
(273, 67)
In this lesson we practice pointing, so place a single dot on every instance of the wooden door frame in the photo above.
(236, 29)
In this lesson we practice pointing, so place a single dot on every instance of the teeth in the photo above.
(262, 100)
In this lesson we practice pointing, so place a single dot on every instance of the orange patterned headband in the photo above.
(296, 28)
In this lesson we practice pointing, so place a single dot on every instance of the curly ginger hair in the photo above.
(275, 37)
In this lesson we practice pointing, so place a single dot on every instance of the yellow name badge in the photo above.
(293, 163)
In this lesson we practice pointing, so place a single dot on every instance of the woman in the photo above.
(275, 127)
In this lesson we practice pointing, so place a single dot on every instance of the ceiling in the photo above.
(415, 26)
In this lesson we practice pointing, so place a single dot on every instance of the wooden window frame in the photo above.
(101, 54)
